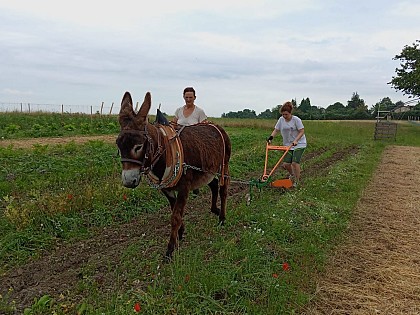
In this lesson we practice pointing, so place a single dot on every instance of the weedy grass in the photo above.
(263, 261)
(15, 125)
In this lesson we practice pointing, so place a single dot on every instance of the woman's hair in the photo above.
(286, 107)
(189, 89)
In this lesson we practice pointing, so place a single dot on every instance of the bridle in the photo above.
(150, 150)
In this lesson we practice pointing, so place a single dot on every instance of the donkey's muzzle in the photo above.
(131, 178)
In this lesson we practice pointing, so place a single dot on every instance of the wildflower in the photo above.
(137, 307)
(69, 196)
(275, 275)
(125, 197)
(286, 266)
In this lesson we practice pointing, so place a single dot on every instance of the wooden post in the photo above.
(29, 108)
(102, 106)
(62, 109)
(21, 107)
(110, 111)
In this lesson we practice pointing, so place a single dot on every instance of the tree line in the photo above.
(407, 80)
(354, 109)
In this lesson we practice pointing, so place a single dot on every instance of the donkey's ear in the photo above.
(145, 107)
(126, 112)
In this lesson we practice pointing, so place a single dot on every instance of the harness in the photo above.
(174, 159)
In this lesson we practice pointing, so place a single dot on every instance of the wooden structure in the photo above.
(385, 129)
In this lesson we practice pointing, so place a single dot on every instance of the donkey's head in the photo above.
(134, 143)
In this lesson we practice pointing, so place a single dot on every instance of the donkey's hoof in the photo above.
(216, 211)
(167, 258)
(221, 222)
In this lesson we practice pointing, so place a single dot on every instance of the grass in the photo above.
(263, 261)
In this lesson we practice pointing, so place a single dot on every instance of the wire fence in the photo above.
(103, 109)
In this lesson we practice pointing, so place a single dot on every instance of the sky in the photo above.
(237, 54)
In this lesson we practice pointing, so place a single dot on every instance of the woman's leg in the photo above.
(297, 156)
(288, 167)
(296, 170)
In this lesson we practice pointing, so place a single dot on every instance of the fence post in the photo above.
(29, 108)
(21, 107)
(110, 111)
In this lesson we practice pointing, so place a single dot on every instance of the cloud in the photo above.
(237, 54)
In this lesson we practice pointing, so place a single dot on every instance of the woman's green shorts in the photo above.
(294, 156)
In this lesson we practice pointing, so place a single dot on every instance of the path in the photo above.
(377, 268)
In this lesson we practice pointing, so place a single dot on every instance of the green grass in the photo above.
(16, 125)
(67, 192)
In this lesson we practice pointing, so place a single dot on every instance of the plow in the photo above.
(267, 179)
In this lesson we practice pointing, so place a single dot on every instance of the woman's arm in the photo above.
(299, 135)
(273, 134)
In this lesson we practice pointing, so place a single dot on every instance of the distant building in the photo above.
(402, 109)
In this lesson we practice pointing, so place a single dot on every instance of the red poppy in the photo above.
(69, 196)
(187, 278)
(286, 266)
(125, 197)
(137, 307)
(275, 275)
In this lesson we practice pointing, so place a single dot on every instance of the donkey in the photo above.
(174, 161)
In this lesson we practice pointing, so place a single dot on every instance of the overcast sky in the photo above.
(237, 54)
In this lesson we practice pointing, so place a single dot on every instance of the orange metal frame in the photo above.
(268, 148)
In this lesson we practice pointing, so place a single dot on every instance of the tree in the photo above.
(246, 113)
(336, 106)
(267, 114)
(305, 105)
(355, 101)
(407, 79)
(383, 105)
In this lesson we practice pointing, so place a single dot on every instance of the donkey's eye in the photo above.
(137, 148)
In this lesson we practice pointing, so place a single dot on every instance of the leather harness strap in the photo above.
(222, 172)
(174, 157)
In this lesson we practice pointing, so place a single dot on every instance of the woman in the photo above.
(189, 114)
(293, 133)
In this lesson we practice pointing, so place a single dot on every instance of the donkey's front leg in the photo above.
(177, 223)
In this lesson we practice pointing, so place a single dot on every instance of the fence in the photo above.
(62, 108)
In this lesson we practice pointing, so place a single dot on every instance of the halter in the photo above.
(149, 152)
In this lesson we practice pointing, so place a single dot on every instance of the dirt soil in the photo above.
(376, 271)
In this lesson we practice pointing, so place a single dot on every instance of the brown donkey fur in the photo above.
(206, 153)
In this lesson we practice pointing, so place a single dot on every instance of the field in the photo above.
(74, 240)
